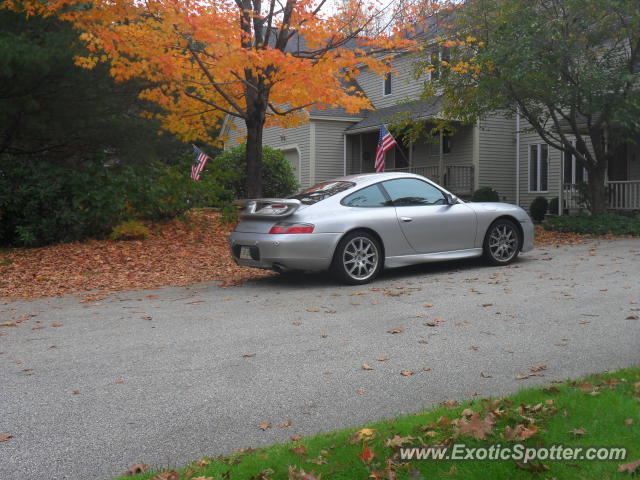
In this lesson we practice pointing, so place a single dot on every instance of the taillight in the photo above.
(292, 228)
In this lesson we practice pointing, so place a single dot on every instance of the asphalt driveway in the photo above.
(159, 377)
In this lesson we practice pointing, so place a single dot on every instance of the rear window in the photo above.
(321, 191)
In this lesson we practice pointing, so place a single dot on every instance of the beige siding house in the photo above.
(496, 151)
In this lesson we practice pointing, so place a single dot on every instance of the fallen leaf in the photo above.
(366, 367)
(5, 436)
(630, 467)
(382, 359)
(451, 404)
(423, 342)
(8, 324)
(119, 381)
(538, 368)
(248, 355)
(363, 434)
(56, 324)
(426, 369)
(476, 427)
(473, 347)
(439, 320)
(296, 324)
(398, 441)
(264, 425)
(367, 455)
(295, 438)
(521, 377)
(628, 421)
(430, 324)
(361, 391)
(288, 423)
(299, 450)
(313, 309)
(519, 433)
(485, 375)
(138, 468)
(171, 475)
(487, 304)
(633, 316)
(428, 305)
(76, 392)
(406, 373)
(396, 330)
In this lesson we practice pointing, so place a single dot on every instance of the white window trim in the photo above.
(538, 180)
(574, 168)
(384, 78)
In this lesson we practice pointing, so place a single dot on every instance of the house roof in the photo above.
(419, 110)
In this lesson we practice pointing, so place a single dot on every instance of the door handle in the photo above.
(406, 219)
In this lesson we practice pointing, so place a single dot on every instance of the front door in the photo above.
(430, 224)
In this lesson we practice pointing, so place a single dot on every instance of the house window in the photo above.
(572, 172)
(386, 87)
(438, 56)
(538, 168)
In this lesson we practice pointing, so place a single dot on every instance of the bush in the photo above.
(553, 205)
(539, 208)
(43, 203)
(278, 177)
(130, 230)
(602, 224)
(485, 194)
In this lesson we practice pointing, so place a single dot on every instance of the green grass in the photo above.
(603, 224)
(555, 411)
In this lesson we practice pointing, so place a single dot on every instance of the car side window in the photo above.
(368, 197)
(407, 192)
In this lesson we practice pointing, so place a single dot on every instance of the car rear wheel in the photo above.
(358, 258)
(502, 242)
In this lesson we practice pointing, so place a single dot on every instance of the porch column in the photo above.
(360, 153)
(441, 162)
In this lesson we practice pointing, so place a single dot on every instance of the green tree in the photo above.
(568, 67)
(53, 109)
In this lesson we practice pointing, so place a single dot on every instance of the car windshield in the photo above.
(321, 191)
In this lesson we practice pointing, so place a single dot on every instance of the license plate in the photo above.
(245, 253)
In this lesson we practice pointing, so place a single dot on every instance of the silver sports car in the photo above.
(359, 224)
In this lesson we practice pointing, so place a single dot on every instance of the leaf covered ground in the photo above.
(181, 252)
(601, 410)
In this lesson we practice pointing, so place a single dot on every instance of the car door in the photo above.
(428, 222)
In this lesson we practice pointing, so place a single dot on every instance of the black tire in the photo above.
(358, 258)
(502, 242)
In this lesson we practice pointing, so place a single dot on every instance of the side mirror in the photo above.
(451, 199)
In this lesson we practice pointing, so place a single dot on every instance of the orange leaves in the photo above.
(202, 59)
(176, 256)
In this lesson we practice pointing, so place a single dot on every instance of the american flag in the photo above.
(385, 142)
(199, 162)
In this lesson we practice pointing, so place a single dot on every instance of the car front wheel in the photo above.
(358, 258)
(502, 242)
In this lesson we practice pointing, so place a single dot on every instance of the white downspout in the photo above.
(518, 157)
(344, 153)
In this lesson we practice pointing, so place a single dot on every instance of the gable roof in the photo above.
(419, 110)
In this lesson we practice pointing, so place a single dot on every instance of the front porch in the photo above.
(446, 160)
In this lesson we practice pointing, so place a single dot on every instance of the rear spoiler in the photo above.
(268, 207)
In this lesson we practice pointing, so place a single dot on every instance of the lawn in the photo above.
(600, 410)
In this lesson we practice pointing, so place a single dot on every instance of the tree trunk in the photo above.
(596, 188)
(255, 127)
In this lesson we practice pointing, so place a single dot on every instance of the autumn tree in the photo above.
(264, 62)
(568, 67)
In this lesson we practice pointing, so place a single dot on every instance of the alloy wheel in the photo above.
(360, 258)
(503, 242)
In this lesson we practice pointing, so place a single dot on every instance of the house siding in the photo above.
(497, 156)
(329, 149)
(278, 138)
(404, 85)
(555, 163)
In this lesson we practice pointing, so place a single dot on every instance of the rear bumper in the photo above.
(528, 232)
(311, 251)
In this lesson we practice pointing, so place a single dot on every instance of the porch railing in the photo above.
(457, 178)
(621, 195)
(624, 195)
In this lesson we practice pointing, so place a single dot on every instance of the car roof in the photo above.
(368, 178)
